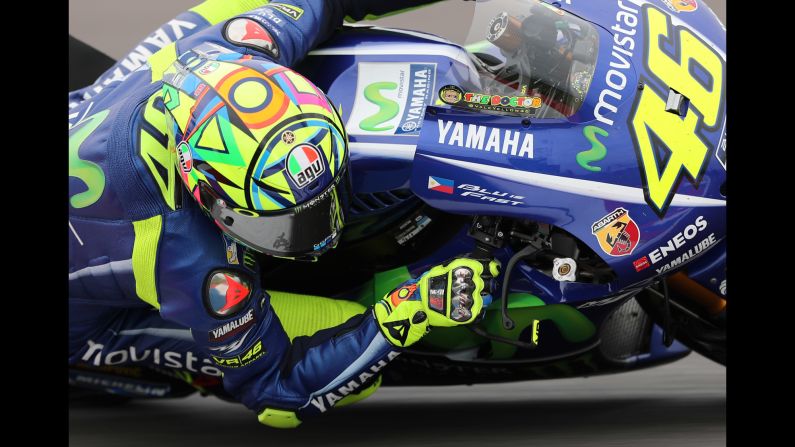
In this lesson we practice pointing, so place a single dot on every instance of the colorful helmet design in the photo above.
(261, 149)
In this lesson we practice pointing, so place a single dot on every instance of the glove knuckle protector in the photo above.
(452, 292)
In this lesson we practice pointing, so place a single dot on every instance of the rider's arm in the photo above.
(212, 286)
(216, 292)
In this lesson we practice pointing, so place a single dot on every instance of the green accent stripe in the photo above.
(307, 314)
(216, 11)
(147, 237)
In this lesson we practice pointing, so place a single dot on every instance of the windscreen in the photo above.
(532, 58)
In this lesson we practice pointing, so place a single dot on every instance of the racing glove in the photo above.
(446, 295)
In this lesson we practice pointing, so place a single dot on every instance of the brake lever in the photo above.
(507, 322)
(484, 255)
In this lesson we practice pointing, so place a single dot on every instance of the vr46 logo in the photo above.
(252, 354)
(304, 164)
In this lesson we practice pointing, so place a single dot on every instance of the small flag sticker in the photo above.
(440, 184)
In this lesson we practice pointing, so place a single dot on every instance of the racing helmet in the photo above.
(261, 149)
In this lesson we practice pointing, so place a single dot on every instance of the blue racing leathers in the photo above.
(152, 281)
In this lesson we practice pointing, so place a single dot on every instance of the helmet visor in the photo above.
(310, 228)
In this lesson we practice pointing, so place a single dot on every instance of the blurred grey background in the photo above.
(115, 26)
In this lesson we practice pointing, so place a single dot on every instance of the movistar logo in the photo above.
(597, 152)
(387, 108)
(88, 172)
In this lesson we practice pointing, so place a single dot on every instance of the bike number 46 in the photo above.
(675, 59)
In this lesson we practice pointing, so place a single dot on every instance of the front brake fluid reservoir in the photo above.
(564, 269)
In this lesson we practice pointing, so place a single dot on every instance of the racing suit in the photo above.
(146, 264)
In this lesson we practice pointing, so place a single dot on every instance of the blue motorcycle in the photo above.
(581, 144)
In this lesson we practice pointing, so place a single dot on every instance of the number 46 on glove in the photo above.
(446, 295)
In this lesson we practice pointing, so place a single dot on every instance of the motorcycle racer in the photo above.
(263, 153)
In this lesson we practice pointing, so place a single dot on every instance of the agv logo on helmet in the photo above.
(304, 164)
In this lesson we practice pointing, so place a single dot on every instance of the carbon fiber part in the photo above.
(625, 333)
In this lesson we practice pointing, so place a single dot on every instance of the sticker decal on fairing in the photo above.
(523, 105)
(391, 98)
(483, 139)
(694, 237)
(411, 227)
(678, 6)
(617, 233)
